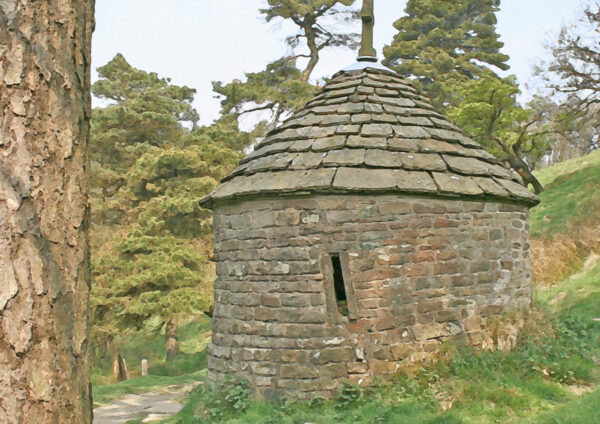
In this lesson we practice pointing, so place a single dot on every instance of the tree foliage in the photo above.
(441, 43)
(451, 51)
(316, 21)
(279, 89)
(489, 111)
(152, 257)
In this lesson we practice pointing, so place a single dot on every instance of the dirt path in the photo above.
(147, 407)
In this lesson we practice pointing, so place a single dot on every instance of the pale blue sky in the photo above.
(198, 41)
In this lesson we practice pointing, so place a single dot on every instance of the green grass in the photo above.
(104, 394)
(584, 410)
(582, 295)
(193, 338)
(571, 197)
(547, 175)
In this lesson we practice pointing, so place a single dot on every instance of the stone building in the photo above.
(360, 235)
(357, 237)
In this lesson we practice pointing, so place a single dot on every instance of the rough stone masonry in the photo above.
(359, 236)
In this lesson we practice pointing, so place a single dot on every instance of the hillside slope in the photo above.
(565, 226)
(571, 198)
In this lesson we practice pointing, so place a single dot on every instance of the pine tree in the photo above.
(316, 26)
(149, 173)
(442, 43)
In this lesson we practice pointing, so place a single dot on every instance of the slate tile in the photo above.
(352, 157)
(405, 131)
(456, 184)
(383, 158)
(518, 190)
(423, 161)
(364, 179)
(329, 143)
(367, 142)
(489, 186)
(381, 130)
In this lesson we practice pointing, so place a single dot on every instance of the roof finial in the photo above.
(367, 52)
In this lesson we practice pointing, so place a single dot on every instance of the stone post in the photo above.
(144, 367)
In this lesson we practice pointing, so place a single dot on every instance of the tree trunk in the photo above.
(114, 356)
(529, 178)
(44, 256)
(123, 373)
(521, 167)
(171, 338)
(311, 41)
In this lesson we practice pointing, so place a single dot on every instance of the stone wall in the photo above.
(421, 270)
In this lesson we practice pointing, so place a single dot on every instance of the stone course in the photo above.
(422, 270)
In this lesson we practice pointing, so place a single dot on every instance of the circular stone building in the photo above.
(357, 237)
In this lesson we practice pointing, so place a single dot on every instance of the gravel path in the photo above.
(148, 406)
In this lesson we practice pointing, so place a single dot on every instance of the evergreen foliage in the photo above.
(442, 43)
(316, 21)
(149, 170)
(278, 89)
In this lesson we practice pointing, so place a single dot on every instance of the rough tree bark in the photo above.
(44, 259)
(171, 331)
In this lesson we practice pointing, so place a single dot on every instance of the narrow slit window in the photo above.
(339, 286)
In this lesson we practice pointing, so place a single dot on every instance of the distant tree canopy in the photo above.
(573, 76)
(284, 86)
(576, 62)
(151, 165)
(143, 109)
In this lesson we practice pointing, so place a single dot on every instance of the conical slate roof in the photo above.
(370, 132)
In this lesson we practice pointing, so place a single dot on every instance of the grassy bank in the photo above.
(571, 199)
(565, 227)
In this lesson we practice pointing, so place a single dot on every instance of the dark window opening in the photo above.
(339, 286)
